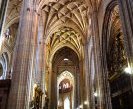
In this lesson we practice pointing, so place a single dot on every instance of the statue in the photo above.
(46, 103)
(36, 103)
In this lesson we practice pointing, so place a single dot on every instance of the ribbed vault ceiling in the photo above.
(90, 3)
(64, 37)
(14, 7)
(13, 11)
(65, 12)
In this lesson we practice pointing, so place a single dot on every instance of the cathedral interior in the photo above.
(66, 54)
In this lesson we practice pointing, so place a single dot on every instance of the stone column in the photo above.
(3, 8)
(77, 88)
(40, 52)
(40, 57)
(126, 15)
(81, 82)
(86, 78)
(101, 82)
(53, 97)
(23, 57)
(95, 39)
(91, 74)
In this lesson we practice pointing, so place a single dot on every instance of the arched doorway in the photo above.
(114, 58)
(65, 72)
(65, 61)
(65, 90)
(64, 53)
(66, 103)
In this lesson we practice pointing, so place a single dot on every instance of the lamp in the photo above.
(128, 70)
(95, 94)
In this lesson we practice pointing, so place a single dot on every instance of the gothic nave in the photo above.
(66, 54)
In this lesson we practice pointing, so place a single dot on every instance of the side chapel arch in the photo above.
(114, 58)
